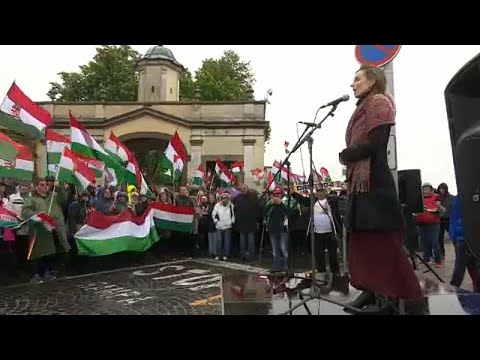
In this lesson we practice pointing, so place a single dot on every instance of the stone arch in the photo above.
(148, 147)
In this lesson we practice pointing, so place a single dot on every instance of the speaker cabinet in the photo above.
(462, 97)
(410, 190)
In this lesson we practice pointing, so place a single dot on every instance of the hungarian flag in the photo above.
(174, 158)
(8, 219)
(83, 143)
(56, 142)
(26, 113)
(106, 234)
(123, 155)
(97, 166)
(224, 175)
(283, 171)
(237, 167)
(325, 175)
(110, 234)
(271, 183)
(258, 175)
(199, 176)
(73, 170)
(16, 160)
(44, 220)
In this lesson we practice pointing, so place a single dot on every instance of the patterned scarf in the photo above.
(373, 111)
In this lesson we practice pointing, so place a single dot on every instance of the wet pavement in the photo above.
(156, 284)
(201, 287)
(273, 295)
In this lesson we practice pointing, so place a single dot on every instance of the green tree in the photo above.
(110, 76)
(226, 79)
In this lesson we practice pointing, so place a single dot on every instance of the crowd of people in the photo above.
(238, 218)
(242, 216)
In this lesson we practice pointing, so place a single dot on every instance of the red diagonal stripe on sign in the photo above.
(385, 49)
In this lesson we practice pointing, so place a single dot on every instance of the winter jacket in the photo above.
(277, 216)
(247, 211)
(456, 230)
(428, 217)
(45, 244)
(446, 202)
(223, 216)
(77, 215)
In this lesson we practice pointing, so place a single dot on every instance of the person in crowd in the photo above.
(446, 200)
(104, 201)
(9, 187)
(377, 260)
(77, 217)
(134, 201)
(46, 243)
(276, 217)
(261, 230)
(142, 206)
(8, 236)
(223, 216)
(15, 204)
(326, 228)
(464, 258)
(183, 242)
(50, 182)
(210, 230)
(70, 196)
(131, 189)
(429, 224)
(121, 203)
(183, 198)
(163, 198)
(197, 216)
(247, 211)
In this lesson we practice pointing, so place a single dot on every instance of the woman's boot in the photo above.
(364, 299)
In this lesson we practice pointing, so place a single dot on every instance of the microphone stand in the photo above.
(314, 290)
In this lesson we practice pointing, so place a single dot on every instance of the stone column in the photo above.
(40, 154)
(249, 158)
(196, 156)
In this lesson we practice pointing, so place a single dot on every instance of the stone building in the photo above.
(231, 131)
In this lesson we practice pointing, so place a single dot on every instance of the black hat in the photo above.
(50, 178)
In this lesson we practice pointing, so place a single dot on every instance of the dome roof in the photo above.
(160, 52)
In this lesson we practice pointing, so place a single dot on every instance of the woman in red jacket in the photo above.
(429, 224)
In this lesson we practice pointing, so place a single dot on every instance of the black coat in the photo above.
(247, 211)
(379, 209)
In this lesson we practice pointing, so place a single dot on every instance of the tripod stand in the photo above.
(411, 238)
(314, 290)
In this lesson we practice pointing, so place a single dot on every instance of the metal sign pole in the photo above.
(392, 143)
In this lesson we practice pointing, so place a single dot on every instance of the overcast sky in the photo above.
(302, 78)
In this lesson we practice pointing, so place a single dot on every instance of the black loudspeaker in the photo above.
(462, 97)
(410, 190)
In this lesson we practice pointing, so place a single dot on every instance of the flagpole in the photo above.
(173, 182)
(54, 189)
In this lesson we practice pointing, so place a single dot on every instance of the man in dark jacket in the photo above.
(247, 210)
(77, 216)
(446, 200)
(277, 216)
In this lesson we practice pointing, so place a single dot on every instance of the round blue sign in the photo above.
(376, 55)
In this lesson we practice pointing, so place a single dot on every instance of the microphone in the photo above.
(307, 123)
(337, 101)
